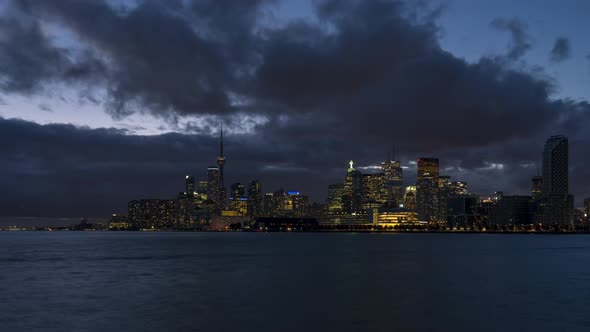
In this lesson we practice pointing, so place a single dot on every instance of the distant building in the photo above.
(462, 210)
(445, 191)
(189, 185)
(152, 213)
(373, 188)
(410, 198)
(213, 185)
(335, 193)
(587, 206)
(239, 205)
(427, 190)
(393, 182)
(537, 188)
(353, 186)
(238, 190)
(391, 217)
(512, 210)
(255, 199)
(556, 205)
(459, 188)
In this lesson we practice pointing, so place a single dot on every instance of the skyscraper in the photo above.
(555, 165)
(427, 189)
(213, 185)
(393, 181)
(335, 193)
(221, 200)
(556, 206)
(445, 191)
(373, 190)
(189, 185)
(353, 187)
(537, 188)
(255, 199)
(238, 190)
(410, 198)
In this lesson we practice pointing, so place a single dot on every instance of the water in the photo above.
(108, 281)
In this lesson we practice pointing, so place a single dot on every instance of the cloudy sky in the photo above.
(104, 101)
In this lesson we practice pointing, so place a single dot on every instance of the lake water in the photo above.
(109, 281)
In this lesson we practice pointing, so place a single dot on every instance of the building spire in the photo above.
(393, 152)
(221, 142)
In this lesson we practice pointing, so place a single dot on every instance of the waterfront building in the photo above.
(512, 210)
(152, 213)
(556, 204)
(462, 210)
(352, 198)
(393, 182)
(427, 190)
(189, 185)
(255, 199)
(445, 191)
(373, 188)
(393, 217)
(410, 198)
(213, 185)
(537, 188)
(335, 194)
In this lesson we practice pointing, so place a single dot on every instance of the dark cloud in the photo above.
(45, 108)
(299, 99)
(561, 49)
(521, 40)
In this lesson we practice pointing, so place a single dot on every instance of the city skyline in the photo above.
(92, 117)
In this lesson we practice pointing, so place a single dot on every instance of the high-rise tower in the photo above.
(220, 164)
(556, 206)
(427, 189)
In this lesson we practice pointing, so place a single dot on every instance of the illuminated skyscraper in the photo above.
(238, 190)
(353, 186)
(393, 181)
(587, 207)
(459, 188)
(410, 198)
(213, 185)
(445, 191)
(221, 201)
(427, 189)
(255, 199)
(556, 206)
(189, 185)
(374, 190)
(335, 193)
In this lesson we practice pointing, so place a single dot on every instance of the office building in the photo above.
(556, 205)
(427, 190)
(410, 198)
(353, 186)
(393, 182)
(255, 199)
(335, 194)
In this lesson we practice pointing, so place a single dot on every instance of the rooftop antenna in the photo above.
(393, 152)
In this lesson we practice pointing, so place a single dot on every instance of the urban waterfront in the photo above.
(149, 281)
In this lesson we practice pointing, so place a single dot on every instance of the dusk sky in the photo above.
(106, 101)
